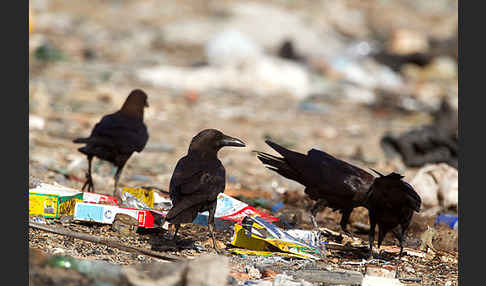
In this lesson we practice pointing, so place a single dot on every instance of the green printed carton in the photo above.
(53, 201)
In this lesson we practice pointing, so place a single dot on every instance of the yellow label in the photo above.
(67, 207)
(263, 253)
(144, 195)
(265, 246)
(52, 206)
(41, 204)
(240, 239)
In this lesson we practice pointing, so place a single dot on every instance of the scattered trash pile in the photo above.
(269, 254)
(230, 211)
(57, 201)
(146, 206)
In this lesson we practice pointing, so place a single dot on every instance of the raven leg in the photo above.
(212, 211)
(318, 206)
(89, 180)
(177, 226)
(381, 234)
(162, 222)
(399, 236)
(117, 176)
(344, 221)
(371, 235)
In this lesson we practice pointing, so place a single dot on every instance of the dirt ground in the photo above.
(95, 47)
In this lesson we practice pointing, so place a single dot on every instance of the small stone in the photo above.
(125, 224)
(36, 122)
(66, 219)
(253, 273)
(372, 270)
(240, 276)
(208, 270)
(380, 281)
(403, 42)
(267, 272)
(58, 251)
(409, 269)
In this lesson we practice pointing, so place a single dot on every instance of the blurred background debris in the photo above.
(372, 82)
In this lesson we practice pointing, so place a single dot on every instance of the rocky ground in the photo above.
(86, 56)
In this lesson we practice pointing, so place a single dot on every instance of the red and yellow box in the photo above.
(100, 213)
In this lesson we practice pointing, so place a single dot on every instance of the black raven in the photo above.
(198, 178)
(392, 202)
(328, 181)
(117, 136)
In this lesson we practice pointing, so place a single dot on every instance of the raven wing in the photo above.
(195, 182)
(293, 165)
(121, 132)
(336, 172)
(317, 170)
(413, 198)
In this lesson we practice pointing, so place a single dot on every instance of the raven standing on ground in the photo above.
(198, 178)
(328, 181)
(117, 136)
(391, 204)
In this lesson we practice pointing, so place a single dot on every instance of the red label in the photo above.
(141, 218)
(101, 199)
(249, 211)
(145, 219)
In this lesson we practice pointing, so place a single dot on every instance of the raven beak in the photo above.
(230, 141)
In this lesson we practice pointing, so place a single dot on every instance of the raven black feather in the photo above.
(116, 136)
(198, 178)
(329, 181)
(392, 202)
